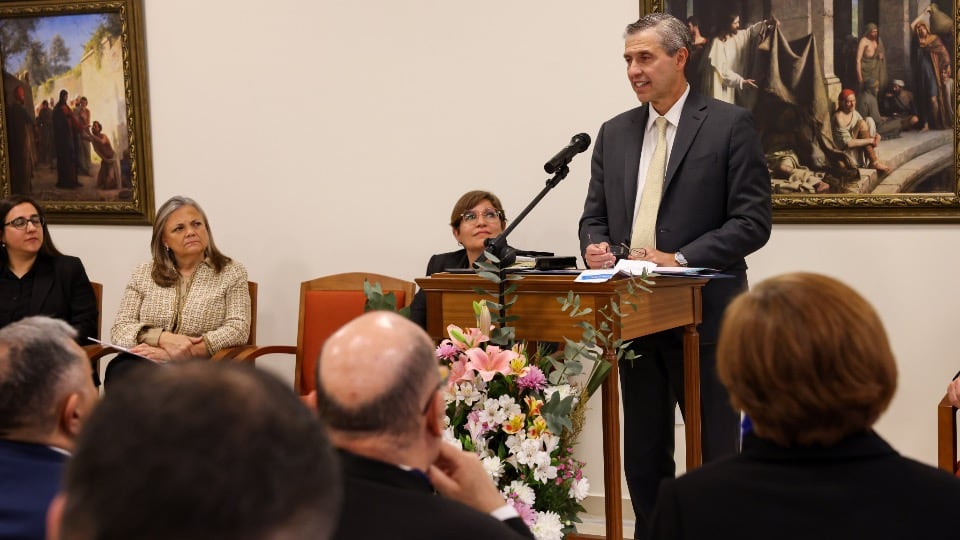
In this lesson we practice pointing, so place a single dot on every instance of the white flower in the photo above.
(547, 526)
(524, 493)
(510, 406)
(451, 439)
(493, 466)
(579, 489)
(543, 471)
(550, 442)
(468, 394)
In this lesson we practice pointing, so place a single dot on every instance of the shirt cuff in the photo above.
(151, 336)
(505, 512)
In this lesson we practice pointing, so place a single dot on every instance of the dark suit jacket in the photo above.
(384, 501)
(715, 208)
(62, 290)
(29, 479)
(859, 488)
(437, 263)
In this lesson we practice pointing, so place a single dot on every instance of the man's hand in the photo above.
(657, 257)
(599, 256)
(459, 475)
(953, 393)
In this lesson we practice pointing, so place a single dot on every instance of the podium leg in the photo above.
(691, 391)
(611, 449)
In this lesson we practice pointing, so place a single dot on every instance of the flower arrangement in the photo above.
(521, 410)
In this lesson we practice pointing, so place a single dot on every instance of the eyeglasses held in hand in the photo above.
(623, 251)
(21, 222)
(487, 215)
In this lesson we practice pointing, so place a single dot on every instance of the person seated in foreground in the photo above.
(189, 301)
(807, 359)
(46, 394)
(379, 390)
(200, 451)
(476, 216)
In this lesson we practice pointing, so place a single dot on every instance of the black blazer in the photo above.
(858, 488)
(62, 290)
(716, 207)
(385, 501)
(437, 263)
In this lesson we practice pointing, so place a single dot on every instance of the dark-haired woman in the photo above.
(36, 279)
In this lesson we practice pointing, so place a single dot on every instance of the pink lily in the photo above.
(466, 338)
(488, 363)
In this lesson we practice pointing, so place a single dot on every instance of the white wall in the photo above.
(379, 114)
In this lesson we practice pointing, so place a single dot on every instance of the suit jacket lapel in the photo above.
(631, 162)
(42, 283)
(691, 118)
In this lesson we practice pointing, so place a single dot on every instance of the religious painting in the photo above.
(75, 122)
(854, 100)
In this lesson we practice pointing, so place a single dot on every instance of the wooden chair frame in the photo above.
(350, 281)
(947, 436)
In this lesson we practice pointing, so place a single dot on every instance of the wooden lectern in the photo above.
(673, 303)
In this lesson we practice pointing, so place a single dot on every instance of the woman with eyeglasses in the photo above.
(190, 301)
(476, 216)
(36, 279)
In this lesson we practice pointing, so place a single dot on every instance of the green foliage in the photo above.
(378, 301)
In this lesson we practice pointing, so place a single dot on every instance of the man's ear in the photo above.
(435, 415)
(73, 414)
(55, 516)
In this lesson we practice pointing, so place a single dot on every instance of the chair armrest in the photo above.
(251, 354)
(230, 353)
(947, 436)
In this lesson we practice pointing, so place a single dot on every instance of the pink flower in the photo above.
(460, 371)
(527, 513)
(466, 338)
(534, 379)
(447, 350)
(488, 363)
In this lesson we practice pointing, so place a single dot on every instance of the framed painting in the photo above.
(854, 100)
(75, 128)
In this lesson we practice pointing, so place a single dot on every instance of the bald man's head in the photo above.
(374, 376)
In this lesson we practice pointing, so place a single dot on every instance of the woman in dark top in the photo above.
(35, 278)
(476, 216)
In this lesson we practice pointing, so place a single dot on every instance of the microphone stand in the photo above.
(498, 244)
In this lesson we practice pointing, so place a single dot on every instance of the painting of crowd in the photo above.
(877, 123)
(57, 147)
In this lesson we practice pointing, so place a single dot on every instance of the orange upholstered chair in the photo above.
(326, 304)
(96, 352)
(947, 436)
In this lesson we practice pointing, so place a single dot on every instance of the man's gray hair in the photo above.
(35, 357)
(673, 33)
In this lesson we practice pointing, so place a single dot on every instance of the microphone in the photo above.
(579, 143)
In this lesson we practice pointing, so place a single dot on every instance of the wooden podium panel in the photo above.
(673, 303)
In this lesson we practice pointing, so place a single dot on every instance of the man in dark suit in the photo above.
(46, 394)
(200, 451)
(681, 179)
(379, 390)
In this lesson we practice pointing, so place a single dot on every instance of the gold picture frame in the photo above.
(75, 128)
(923, 184)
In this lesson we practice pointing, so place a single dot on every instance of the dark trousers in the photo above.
(125, 365)
(651, 386)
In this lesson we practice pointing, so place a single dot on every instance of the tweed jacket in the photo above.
(216, 306)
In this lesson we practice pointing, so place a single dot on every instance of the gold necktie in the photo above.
(645, 223)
